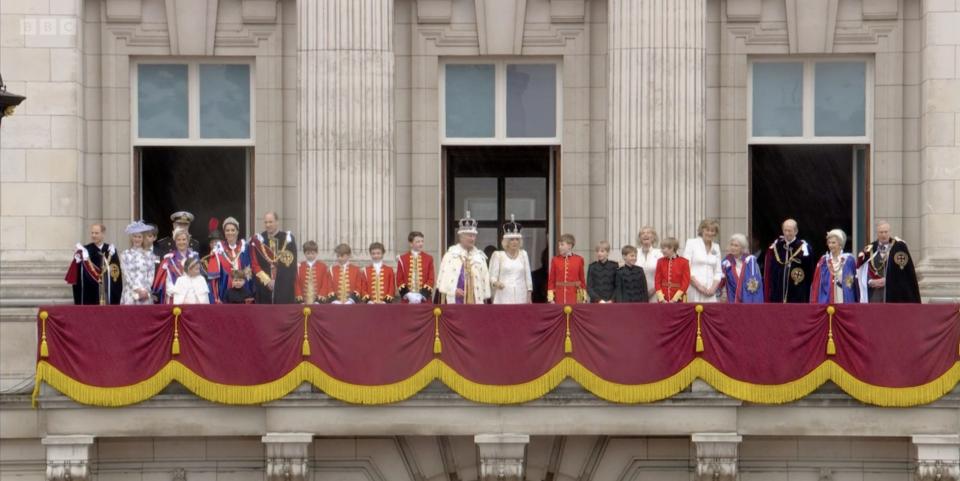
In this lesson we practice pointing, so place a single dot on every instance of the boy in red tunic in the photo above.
(379, 285)
(313, 277)
(673, 273)
(566, 283)
(415, 272)
(347, 279)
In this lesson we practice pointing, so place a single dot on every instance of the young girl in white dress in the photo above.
(191, 288)
(510, 277)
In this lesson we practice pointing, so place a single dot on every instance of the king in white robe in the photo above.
(466, 270)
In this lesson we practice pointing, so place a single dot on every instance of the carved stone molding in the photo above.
(192, 26)
(744, 10)
(811, 25)
(258, 11)
(287, 456)
(500, 26)
(717, 456)
(434, 11)
(937, 457)
(68, 457)
(128, 11)
(501, 456)
(568, 11)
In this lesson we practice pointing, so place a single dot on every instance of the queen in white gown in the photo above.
(510, 277)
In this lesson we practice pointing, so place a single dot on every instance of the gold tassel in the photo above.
(437, 347)
(831, 346)
(44, 350)
(567, 343)
(175, 349)
(305, 349)
(699, 347)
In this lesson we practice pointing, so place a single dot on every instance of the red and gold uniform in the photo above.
(672, 279)
(415, 275)
(313, 282)
(347, 284)
(566, 283)
(379, 287)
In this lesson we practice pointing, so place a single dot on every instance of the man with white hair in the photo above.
(787, 267)
(882, 280)
(464, 278)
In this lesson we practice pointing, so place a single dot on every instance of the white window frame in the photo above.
(500, 102)
(808, 107)
(193, 103)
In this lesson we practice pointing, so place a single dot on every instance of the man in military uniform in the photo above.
(885, 270)
(181, 220)
(274, 263)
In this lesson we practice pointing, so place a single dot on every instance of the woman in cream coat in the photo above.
(704, 255)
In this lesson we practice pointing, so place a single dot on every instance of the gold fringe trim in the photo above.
(370, 394)
(505, 394)
(634, 393)
(496, 394)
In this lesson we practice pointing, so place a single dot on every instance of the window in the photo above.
(179, 102)
(500, 102)
(815, 100)
(193, 137)
(495, 182)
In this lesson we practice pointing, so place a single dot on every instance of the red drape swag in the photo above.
(883, 346)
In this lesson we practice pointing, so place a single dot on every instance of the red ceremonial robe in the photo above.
(672, 278)
(346, 283)
(566, 283)
(313, 283)
(380, 287)
(415, 274)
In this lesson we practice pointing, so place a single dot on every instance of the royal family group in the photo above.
(265, 269)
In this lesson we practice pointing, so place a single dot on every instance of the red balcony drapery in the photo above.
(888, 355)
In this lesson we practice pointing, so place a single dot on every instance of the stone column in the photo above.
(288, 456)
(68, 457)
(501, 456)
(656, 117)
(937, 457)
(717, 456)
(345, 124)
(939, 248)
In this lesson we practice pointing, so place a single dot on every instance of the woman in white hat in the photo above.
(510, 278)
(138, 266)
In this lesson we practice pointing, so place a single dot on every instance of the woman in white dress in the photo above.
(510, 275)
(647, 256)
(138, 266)
(703, 252)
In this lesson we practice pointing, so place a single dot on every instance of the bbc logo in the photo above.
(48, 26)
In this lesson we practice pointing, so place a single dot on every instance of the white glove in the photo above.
(350, 301)
(413, 297)
(335, 302)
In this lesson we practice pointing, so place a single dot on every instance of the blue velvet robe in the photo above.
(748, 288)
(821, 290)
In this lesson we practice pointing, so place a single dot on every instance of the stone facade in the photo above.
(347, 115)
